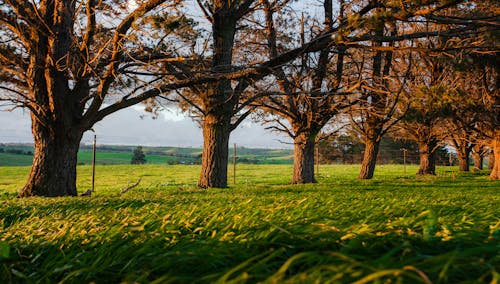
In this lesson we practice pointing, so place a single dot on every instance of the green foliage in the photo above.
(442, 229)
(430, 104)
(138, 156)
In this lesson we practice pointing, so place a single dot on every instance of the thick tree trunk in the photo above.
(478, 160)
(495, 172)
(491, 160)
(369, 159)
(427, 156)
(478, 156)
(463, 160)
(214, 158)
(303, 159)
(219, 100)
(53, 172)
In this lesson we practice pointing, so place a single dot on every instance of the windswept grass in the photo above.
(393, 229)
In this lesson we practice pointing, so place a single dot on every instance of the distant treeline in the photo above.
(347, 149)
(16, 151)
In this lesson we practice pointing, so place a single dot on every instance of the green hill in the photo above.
(22, 155)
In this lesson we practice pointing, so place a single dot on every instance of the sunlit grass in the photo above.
(394, 228)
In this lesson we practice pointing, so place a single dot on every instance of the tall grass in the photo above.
(393, 229)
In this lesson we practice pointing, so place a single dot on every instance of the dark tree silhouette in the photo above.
(138, 156)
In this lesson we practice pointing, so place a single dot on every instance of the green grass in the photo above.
(8, 159)
(392, 229)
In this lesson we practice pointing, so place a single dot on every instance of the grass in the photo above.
(392, 229)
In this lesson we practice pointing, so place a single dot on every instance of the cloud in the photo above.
(126, 127)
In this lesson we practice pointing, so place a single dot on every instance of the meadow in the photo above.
(396, 228)
(22, 155)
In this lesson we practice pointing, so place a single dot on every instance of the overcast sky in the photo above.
(126, 127)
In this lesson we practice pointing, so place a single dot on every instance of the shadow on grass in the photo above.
(139, 258)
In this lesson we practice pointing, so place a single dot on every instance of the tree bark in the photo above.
(216, 131)
(303, 159)
(427, 154)
(53, 172)
(478, 156)
(463, 154)
(219, 101)
(491, 160)
(478, 160)
(369, 159)
(495, 172)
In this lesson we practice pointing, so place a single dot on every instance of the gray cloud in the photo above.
(126, 127)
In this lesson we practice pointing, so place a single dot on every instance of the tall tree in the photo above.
(310, 91)
(72, 63)
(218, 105)
(429, 105)
(376, 111)
(424, 121)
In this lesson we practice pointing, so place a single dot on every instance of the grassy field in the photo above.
(392, 229)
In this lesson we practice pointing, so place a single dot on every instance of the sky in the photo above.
(126, 127)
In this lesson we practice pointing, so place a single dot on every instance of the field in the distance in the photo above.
(392, 229)
(22, 155)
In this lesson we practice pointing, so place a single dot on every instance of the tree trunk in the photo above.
(478, 160)
(427, 154)
(369, 159)
(463, 159)
(219, 100)
(495, 172)
(491, 160)
(214, 158)
(303, 159)
(53, 172)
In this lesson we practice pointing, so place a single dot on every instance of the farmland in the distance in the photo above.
(395, 228)
(22, 155)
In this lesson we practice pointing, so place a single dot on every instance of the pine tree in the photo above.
(138, 156)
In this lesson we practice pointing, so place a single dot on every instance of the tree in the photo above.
(423, 122)
(72, 63)
(309, 92)
(479, 151)
(138, 156)
(217, 104)
(429, 106)
(379, 94)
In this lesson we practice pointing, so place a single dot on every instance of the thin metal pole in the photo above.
(404, 159)
(234, 164)
(93, 162)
